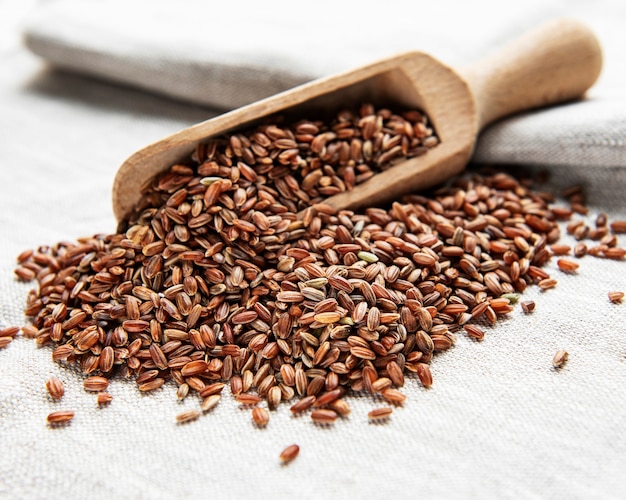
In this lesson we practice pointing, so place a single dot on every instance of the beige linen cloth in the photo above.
(498, 422)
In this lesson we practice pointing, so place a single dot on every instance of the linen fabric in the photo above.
(84, 85)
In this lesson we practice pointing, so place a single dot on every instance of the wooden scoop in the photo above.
(555, 63)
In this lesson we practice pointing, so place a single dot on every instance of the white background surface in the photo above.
(498, 421)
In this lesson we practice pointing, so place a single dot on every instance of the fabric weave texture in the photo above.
(85, 84)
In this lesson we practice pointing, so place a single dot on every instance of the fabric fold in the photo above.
(230, 54)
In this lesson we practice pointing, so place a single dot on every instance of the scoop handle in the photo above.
(554, 63)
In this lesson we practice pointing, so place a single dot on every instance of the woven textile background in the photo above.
(498, 421)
